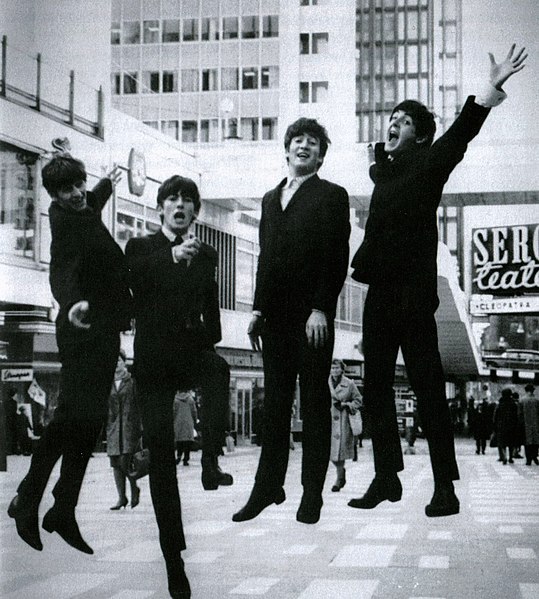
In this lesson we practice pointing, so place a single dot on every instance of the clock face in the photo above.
(137, 172)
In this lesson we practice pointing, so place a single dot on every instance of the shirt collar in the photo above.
(299, 180)
(168, 234)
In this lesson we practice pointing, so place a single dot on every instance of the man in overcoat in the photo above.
(304, 233)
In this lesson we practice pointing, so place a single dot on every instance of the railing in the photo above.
(30, 81)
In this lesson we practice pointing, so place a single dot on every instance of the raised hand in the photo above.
(115, 174)
(513, 63)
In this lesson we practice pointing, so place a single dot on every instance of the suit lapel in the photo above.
(303, 191)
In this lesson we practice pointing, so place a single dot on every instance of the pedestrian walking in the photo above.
(88, 277)
(506, 426)
(124, 432)
(346, 403)
(529, 407)
(24, 428)
(304, 231)
(397, 258)
(185, 418)
(481, 417)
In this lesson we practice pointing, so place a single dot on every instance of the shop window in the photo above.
(270, 26)
(230, 78)
(209, 80)
(131, 31)
(249, 78)
(115, 33)
(189, 131)
(249, 129)
(17, 201)
(269, 128)
(170, 128)
(170, 82)
(189, 80)
(249, 27)
(230, 28)
(209, 30)
(209, 130)
(131, 83)
(171, 30)
(150, 82)
(190, 30)
(151, 32)
(269, 77)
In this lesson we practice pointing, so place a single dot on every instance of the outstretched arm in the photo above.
(513, 63)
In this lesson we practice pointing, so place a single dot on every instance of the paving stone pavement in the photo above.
(490, 550)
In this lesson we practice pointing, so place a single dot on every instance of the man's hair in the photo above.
(60, 171)
(529, 388)
(423, 119)
(177, 185)
(337, 362)
(310, 127)
(507, 393)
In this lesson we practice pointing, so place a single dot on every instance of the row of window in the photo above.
(409, 58)
(207, 130)
(403, 26)
(195, 80)
(193, 30)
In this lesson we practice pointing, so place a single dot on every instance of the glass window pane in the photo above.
(189, 131)
(304, 43)
(249, 27)
(270, 26)
(304, 92)
(189, 80)
(249, 129)
(230, 78)
(171, 30)
(170, 81)
(413, 59)
(244, 277)
(209, 29)
(320, 43)
(320, 91)
(411, 21)
(115, 80)
(209, 130)
(115, 33)
(269, 128)
(209, 80)
(151, 32)
(131, 30)
(230, 28)
(150, 82)
(269, 77)
(250, 78)
(152, 124)
(130, 83)
(190, 30)
(170, 128)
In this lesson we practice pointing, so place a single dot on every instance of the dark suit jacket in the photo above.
(303, 251)
(176, 306)
(401, 234)
(87, 264)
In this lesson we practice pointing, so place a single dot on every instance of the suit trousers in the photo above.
(88, 363)
(286, 354)
(403, 316)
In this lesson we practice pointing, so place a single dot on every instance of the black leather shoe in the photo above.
(212, 475)
(258, 501)
(66, 526)
(179, 588)
(380, 489)
(338, 485)
(444, 502)
(26, 521)
(309, 508)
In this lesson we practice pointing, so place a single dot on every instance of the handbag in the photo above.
(356, 423)
(139, 465)
(494, 440)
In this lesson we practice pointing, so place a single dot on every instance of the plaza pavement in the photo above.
(490, 550)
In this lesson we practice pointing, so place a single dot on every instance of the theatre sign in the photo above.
(505, 261)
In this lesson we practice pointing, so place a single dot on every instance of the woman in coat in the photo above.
(345, 400)
(506, 425)
(123, 432)
(185, 417)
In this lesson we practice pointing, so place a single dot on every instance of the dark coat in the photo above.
(529, 406)
(481, 421)
(176, 306)
(124, 427)
(401, 234)
(506, 422)
(87, 264)
(342, 437)
(303, 251)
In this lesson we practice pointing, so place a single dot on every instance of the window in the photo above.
(131, 32)
(127, 226)
(304, 43)
(209, 80)
(230, 28)
(269, 77)
(17, 201)
(170, 82)
(320, 43)
(190, 30)
(411, 25)
(319, 92)
(170, 128)
(130, 83)
(151, 32)
(246, 261)
(150, 82)
(249, 129)
(189, 131)
(189, 80)
(270, 26)
(209, 130)
(209, 30)
(230, 78)
(249, 78)
(152, 124)
(269, 128)
(171, 30)
(115, 33)
(249, 27)
(115, 84)
(304, 92)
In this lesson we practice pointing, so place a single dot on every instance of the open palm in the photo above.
(513, 63)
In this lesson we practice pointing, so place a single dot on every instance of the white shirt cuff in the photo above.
(257, 313)
(490, 96)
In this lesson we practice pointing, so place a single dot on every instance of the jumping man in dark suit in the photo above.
(174, 282)
(398, 260)
(89, 280)
(302, 265)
